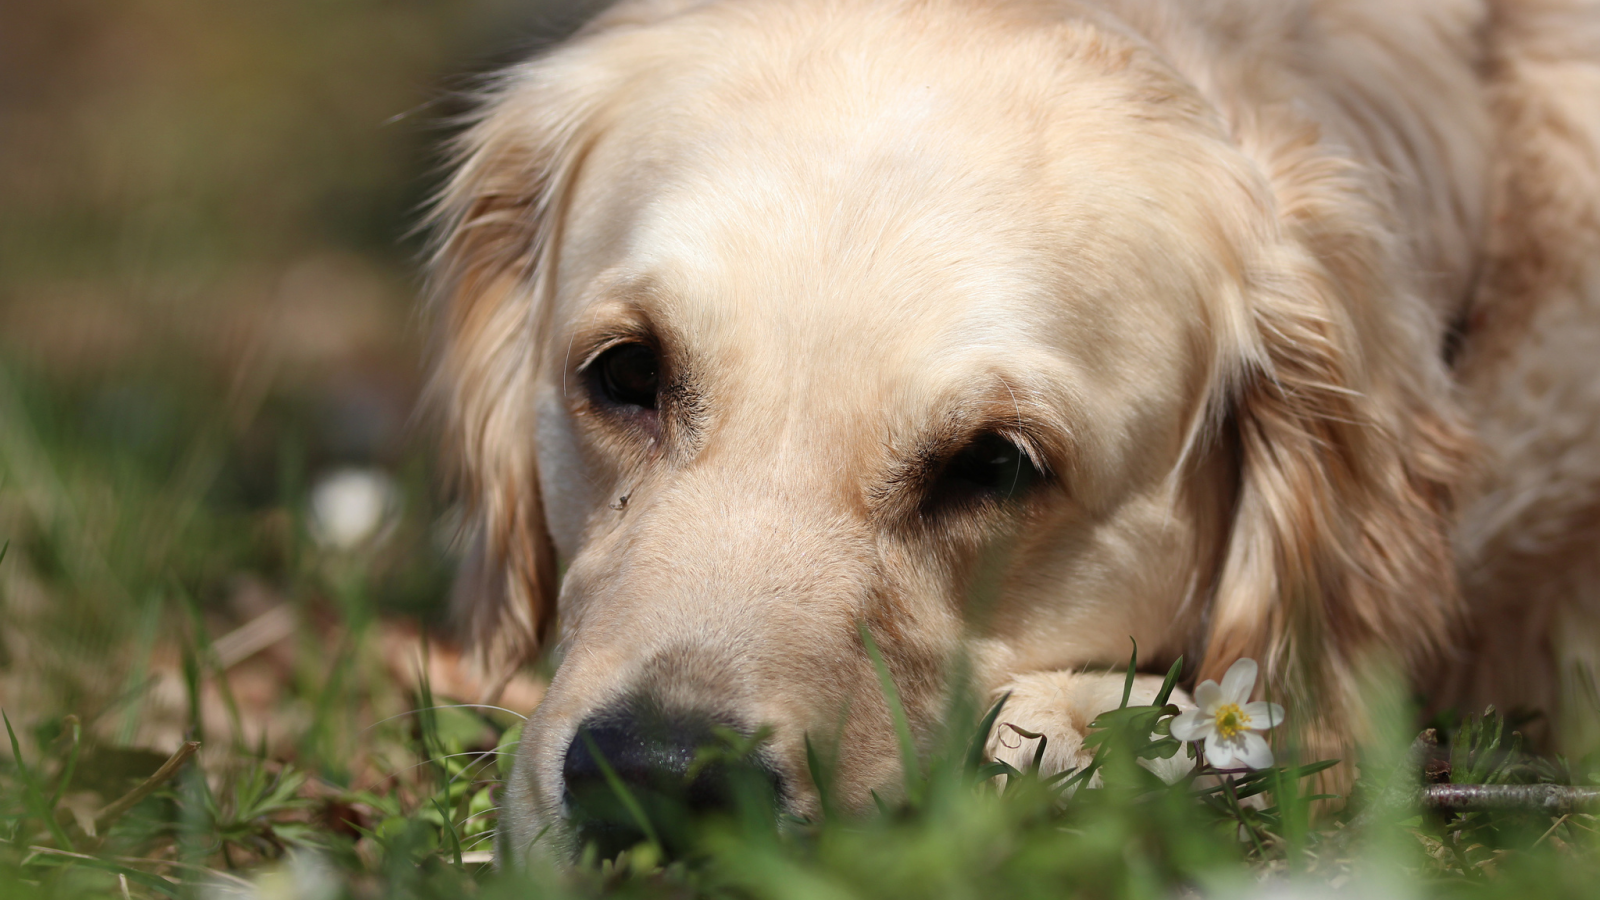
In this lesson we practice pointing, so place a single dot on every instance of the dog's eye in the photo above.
(990, 466)
(628, 375)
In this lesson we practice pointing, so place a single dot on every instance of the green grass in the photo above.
(122, 570)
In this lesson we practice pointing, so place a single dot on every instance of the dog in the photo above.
(1015, 329)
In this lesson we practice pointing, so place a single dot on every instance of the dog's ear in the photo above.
(1349, 455)
(496, 222)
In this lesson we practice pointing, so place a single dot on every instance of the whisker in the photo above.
(435, 759)
(481, 754)
(480, 813)
(444, 706)
(463, 771)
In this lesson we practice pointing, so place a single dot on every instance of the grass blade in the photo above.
(1038, 751)
(902, 726)
(32, 793)
(144, 879)
(998, 767)
(624, 795)
(450, 829)
(1168, 683)
(980, 738)
(1127, 684)
(883, 808)
(821, 779)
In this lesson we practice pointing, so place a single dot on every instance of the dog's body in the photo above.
(1241, 328)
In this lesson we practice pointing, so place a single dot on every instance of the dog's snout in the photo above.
(671, 770)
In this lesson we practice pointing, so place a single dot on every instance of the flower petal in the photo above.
(1222, 752)
(1170, 771)
(1208, 697)
(1239, 681)
(1193, 725)
(1255, 753)
(1263, 715)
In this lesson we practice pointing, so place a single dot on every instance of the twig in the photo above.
(1549, 799)
(1403, 793)
(105, 817)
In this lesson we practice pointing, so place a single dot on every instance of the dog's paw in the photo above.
(1060, 706)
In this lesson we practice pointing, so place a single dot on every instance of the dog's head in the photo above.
(960, 321)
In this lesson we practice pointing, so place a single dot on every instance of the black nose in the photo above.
(668, 773)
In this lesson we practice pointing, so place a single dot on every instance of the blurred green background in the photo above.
(209, 308)
(200, 185)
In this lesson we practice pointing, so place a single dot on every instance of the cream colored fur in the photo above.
(1296, 303)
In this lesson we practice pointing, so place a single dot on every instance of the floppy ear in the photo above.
(496, 222)
(1350, 452)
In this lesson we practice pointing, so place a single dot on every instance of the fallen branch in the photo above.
(1547, 799)
(1402, 795)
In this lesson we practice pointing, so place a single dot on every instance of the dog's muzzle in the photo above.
(639, 767)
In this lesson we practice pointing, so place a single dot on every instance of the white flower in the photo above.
(351, 507)
(1228, 722)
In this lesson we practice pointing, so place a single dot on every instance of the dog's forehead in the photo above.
(921, 212)
(910, 222)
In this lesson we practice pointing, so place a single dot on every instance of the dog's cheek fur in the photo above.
(1350, 455)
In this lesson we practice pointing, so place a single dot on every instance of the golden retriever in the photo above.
(1243, 328)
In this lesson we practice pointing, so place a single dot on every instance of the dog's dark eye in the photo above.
(989, 466)
(628, 375)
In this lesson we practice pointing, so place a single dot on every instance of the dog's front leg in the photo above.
(1060, 705)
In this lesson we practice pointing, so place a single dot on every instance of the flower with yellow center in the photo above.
(1231, 720)
(1227, 721)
